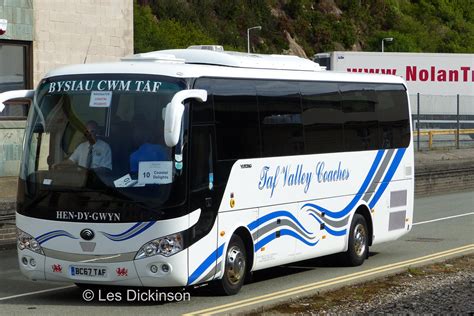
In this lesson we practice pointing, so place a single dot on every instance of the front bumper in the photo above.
(167, 271)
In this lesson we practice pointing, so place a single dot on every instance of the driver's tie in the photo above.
(89, 157)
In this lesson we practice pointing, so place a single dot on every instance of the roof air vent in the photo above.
(154, 57)
(215, 48)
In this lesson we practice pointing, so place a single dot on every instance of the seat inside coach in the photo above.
(134, 115)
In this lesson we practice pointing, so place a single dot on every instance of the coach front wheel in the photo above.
(358, 247)
(235, 267)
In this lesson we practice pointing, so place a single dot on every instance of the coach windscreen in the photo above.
(103, 133)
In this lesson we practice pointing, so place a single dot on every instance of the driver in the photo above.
(94, 153)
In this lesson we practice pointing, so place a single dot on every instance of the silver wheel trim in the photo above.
(235, 265)
(360, 239)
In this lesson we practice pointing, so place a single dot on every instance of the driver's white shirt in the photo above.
(101, 155)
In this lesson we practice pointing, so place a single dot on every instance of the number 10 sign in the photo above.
(155, 172)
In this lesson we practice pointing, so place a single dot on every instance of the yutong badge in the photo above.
(87, 234)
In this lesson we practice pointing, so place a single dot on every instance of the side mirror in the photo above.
(15, 94)
(174, 113)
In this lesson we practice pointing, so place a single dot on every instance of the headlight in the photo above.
(165, 246)
(26, 241)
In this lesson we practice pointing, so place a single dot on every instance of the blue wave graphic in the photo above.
(53, 234)
(212, 258)
(271, 216)
(125, 232)
(283, 232)
(131, 232)
(329, 229)
(388, 176)
(357, 197)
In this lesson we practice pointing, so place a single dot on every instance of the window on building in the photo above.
(15, 74)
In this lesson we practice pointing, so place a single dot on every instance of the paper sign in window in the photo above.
(100, 99)
(124, 181)
(155, 172)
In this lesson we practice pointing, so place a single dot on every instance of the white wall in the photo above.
(64, 30)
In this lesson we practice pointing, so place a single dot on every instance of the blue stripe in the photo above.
(358, 195)
(388, 177)
(140, 231)
(271, 216)
(50, 233)
(213, 257)
(125, 232)
(328, 229)
(262, 242)
(54, 236)
(283, 232)
(294, 234)
(119, 238)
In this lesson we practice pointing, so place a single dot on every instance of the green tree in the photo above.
(145, 29)
(323, 25)
(152, 34)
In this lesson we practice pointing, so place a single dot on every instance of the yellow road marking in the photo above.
(333, 281)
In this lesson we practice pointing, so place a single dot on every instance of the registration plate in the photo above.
(94, 272)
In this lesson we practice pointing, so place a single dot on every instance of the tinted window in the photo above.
(201, 157)
(280, 118)
(203, 112)
(359, 102)
(236, 115)
(275, 118)
(393, 117)
(322, 117)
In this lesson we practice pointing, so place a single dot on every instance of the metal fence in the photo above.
(442, 121)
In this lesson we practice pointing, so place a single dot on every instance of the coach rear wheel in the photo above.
(358, 242)
(235, 267)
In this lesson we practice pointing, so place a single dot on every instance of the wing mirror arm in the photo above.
(174, 113)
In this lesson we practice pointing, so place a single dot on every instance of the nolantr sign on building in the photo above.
(425, 73)
(434, 74)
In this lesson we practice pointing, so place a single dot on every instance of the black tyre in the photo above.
(358, 242)
(235, 270)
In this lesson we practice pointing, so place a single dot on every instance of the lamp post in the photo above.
(388, 39)
(248, 36)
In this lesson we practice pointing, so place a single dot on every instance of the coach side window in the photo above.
(393, 117)
(322, 117)
(359, 103)
(236, 117)
(280, 118)
(203, 112)
(201, 155)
